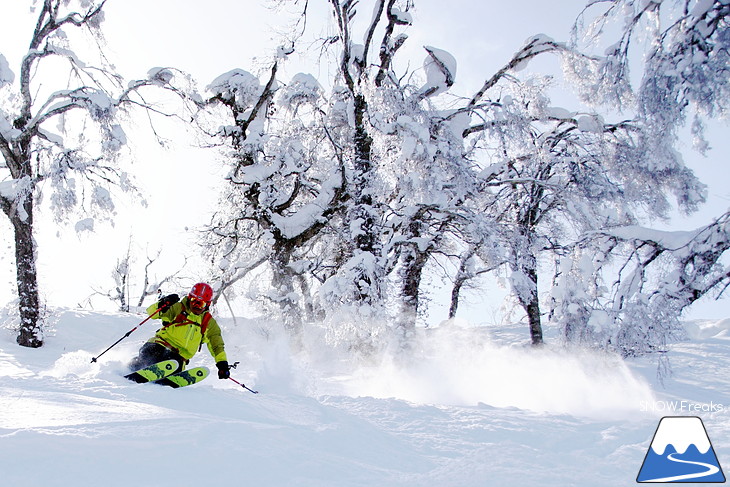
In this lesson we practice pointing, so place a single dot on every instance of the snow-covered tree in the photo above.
(285, 183)
(59, 132)
(660, 273)
(683, 68)
(550, 176)
(348, 186)
(678, 51)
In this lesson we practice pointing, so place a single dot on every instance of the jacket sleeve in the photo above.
(168, 315)
(215, 341)
(152, 309)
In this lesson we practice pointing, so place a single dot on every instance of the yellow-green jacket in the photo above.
(181, 331)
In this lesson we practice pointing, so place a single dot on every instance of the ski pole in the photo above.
(233, 366)
(94, 359)
(243, 385)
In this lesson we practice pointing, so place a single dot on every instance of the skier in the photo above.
(186, 325)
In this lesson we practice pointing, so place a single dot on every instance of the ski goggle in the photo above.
(197, 302)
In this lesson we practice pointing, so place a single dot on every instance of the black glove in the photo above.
(168, 301)
(224, 371)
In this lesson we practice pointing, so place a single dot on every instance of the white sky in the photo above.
(209, 38)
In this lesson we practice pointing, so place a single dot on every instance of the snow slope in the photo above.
(473, 409)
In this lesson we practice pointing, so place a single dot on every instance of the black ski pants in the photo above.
(151, 353)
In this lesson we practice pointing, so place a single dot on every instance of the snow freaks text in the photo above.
(681, 407)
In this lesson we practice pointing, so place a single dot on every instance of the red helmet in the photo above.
(202, 291)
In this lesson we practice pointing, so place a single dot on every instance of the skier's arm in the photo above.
(214, 340)
(167, 308)
(153, 310)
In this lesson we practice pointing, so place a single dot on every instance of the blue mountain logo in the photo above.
(681, 452)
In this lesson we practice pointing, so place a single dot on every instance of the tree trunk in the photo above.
(30, 333)
(283, 283)
(455, 293)
(365, 238)
(524, 281)
(530, 301)
(462, 276)
(533, 318)
(413, 263)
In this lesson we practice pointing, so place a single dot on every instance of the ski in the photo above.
(154, 372)
(184, 378)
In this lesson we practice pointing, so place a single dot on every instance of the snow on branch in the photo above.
(535, 46)
(6, 74)
(440, 67)
(237, 86)
(695, 267)
(656, 275)
(389, 45)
